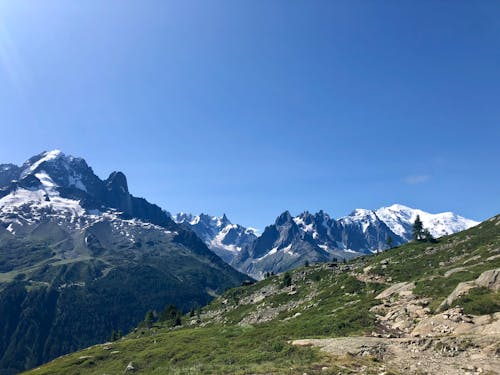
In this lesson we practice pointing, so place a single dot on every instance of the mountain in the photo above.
(81, 257)
(291, 241)
(219, 234)
(401, 218)
(417, 308)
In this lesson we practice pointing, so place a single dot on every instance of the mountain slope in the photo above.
(377, 314)
(76, 251)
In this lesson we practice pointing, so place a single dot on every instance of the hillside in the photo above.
(384, 313)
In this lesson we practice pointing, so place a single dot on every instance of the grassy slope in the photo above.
(331, 302)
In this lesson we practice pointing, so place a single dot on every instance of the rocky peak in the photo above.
(117, 182)
(284, 218)
(224, 221)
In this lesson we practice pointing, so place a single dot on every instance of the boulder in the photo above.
(489, 279)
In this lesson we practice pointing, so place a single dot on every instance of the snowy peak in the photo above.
(221, 236)
(65, 171)
(52, 183)
(401, 218)
(36, 161)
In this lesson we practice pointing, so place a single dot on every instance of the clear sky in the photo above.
(254, 107)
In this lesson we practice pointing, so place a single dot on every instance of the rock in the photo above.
(489, 279)
(460, 290)
(130, 367)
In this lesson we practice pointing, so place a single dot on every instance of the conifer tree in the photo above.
(427, 236)
(418, 229)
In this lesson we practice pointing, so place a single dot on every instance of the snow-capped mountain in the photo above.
(54, 185)
(290, 241)
(401, 218)
(221, 236)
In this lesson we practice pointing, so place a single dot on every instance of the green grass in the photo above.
(479, 301)
(234, 350)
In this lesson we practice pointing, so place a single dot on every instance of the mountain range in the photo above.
(81, 257)
(293, 240)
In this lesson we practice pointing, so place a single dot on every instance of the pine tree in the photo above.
(427, 236)
(306, 263)
(418, 229)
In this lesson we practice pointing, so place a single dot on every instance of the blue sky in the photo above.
(254, 107)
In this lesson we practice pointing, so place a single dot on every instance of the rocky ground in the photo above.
(410, 339)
